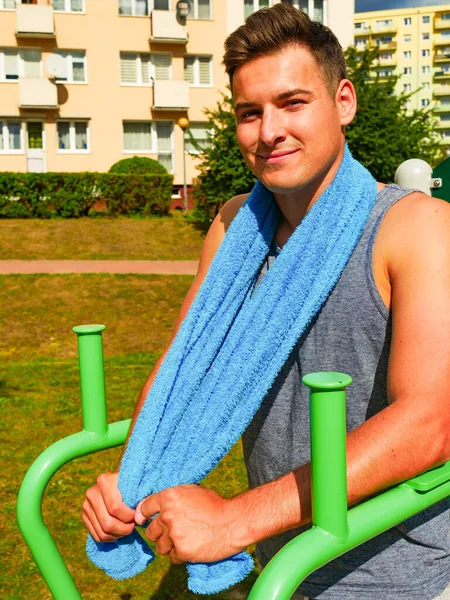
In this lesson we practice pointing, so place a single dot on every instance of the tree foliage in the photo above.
(222, 170)
(383, 133)
(138, 165)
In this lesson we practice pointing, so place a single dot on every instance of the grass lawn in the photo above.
(165, 238)
(39, 398)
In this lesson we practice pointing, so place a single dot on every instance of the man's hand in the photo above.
(104, 513)
(193, 524)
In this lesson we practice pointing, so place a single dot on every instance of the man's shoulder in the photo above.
(231, 208)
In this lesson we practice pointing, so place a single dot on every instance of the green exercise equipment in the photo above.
(335, 529)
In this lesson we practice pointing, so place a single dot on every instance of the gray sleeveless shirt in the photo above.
(351, 334)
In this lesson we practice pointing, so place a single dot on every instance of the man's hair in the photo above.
(270, 30)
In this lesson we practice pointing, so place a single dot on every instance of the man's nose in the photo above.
(272, 129)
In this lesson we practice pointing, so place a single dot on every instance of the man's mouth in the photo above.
(273, 158)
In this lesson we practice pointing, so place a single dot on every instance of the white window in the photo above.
(407, 38)
(407, 21)
(407, 54)
(361, 43)
(200, 9)
(136, 8)
(143, 68)
(198, 70)
(384, 73)
(424, 102)
(445, 133)
(150, 137)
(425, 36)
(426, 19)
(426, 69)
(7, 4)
(69, 6)
(385, 56)
(406, 70)
(201, 134)
(406, 88)
(426, 86)
(74, 68)
(11, 139)
(251, 6)
(425, 53)
(384, 24)
(73, 137)
(316, 10)
(20, 63)
(408, 105)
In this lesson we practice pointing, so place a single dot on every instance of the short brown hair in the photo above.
(269, 30)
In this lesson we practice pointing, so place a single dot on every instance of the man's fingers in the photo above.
(107, 527)
(92, 524)
(147, 508)
(174, 558)
(154, 531)
(112, 498)
(164, 545)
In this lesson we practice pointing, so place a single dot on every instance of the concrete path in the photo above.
(146, 267)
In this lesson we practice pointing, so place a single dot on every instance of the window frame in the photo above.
(67, 3)
(3, 8)
(197, 83)
(425, 53)
(4, 126)
(150, 8)
(139, 82)
(69, 67)
(426, 22)
(193, 15)
(407, 71)
(407, 21)
(209, 130)
(153, 138)
(72, 137)
(407, 52)
(20, 64)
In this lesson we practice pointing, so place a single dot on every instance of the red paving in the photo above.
(146, 267)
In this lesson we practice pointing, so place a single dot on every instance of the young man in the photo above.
(386, 322)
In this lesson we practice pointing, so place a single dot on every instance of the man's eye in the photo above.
(248, 114)
(295, 102)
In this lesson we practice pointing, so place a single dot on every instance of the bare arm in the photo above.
(410, 436)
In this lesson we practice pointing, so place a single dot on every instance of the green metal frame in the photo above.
(335, 529)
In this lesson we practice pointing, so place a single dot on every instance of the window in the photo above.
(73, 136)
(11, 137)
(136, 8)
(407, 21)
(384, 24)
(445, 16)
(200, 9)
(142, 69)
(19, 63)
(424, 102)
(425, 36)
(385, 56)
(425, 53)
(408, 105)
(407, 38)
(426, 19)
(426, 86)
(361, 43)
(35, 135)
(70, 6)
(384, 73)
(406, 88)
(74, 67)
(198, 70)
(426, 69)
(150, 137)
(406, 70)
(201, 135)
(251, 6)
(445, 133)
(407, 55)
(4, 4)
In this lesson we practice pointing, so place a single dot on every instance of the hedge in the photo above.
(47, 195)
(139, 165)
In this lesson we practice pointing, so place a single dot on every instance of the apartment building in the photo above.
(85, 83)
(415, 44)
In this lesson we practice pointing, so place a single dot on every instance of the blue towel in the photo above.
(228, 352)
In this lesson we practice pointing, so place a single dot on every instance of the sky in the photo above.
(366, 5)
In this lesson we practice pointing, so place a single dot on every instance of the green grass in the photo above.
(165, 238)
(40, 403)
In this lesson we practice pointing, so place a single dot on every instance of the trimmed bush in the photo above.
(138, 165)
(68, 195)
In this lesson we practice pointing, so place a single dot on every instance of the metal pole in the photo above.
(185, 198)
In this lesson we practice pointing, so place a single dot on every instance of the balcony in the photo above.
(442, 55)
(34, 21)
(441, 40)
(37, 93)
(365, 30)
(445, 124)
(387, 46)
(166, 29)
(380, 29)
(441, 74)
(387, 62)
(442, 23)
(441, 90)
(170, 95)
(442, 107)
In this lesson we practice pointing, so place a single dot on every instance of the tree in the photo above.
(222, 170)
(383, 133)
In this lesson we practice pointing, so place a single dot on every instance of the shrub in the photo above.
(138, 165)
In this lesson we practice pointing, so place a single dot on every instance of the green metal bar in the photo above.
(96, 436)
(328, 451)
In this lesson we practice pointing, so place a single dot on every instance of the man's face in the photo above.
(289, 128)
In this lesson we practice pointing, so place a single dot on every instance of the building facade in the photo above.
(85, 83)
(415, 44)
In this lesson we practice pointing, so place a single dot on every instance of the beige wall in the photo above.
(103, 101)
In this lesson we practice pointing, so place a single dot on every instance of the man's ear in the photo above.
(346, 101)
